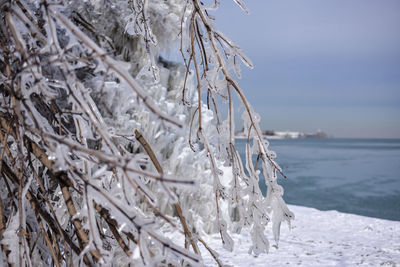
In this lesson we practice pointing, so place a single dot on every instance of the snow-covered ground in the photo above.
(319, 238)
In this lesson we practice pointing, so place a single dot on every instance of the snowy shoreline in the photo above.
(318, 238)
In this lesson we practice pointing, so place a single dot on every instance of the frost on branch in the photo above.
(106, 146)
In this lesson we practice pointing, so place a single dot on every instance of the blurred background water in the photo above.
(359, 176)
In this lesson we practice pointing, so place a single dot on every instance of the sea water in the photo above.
(360, 176)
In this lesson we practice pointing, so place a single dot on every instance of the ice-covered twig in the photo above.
(176, 205)
(112, 64)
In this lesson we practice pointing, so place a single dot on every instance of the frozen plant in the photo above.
(106, 146)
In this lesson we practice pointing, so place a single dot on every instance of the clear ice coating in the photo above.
(79, 77)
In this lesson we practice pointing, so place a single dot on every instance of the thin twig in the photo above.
(177, 207)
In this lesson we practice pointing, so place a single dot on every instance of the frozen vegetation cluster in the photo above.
(106, 145)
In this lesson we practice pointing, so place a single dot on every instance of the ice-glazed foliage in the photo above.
(105, 144)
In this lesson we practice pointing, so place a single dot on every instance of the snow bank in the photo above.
(319, 238)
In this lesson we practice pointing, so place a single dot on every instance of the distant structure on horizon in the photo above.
(318, 134)
(286, 134)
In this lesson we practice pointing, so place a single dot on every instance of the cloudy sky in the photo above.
(332, 65)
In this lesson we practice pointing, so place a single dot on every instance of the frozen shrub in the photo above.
(105, 144)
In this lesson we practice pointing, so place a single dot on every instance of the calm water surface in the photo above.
(360, 176)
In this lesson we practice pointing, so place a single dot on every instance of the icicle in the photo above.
(242, 6)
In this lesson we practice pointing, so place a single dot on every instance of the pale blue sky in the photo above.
(321, 64)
